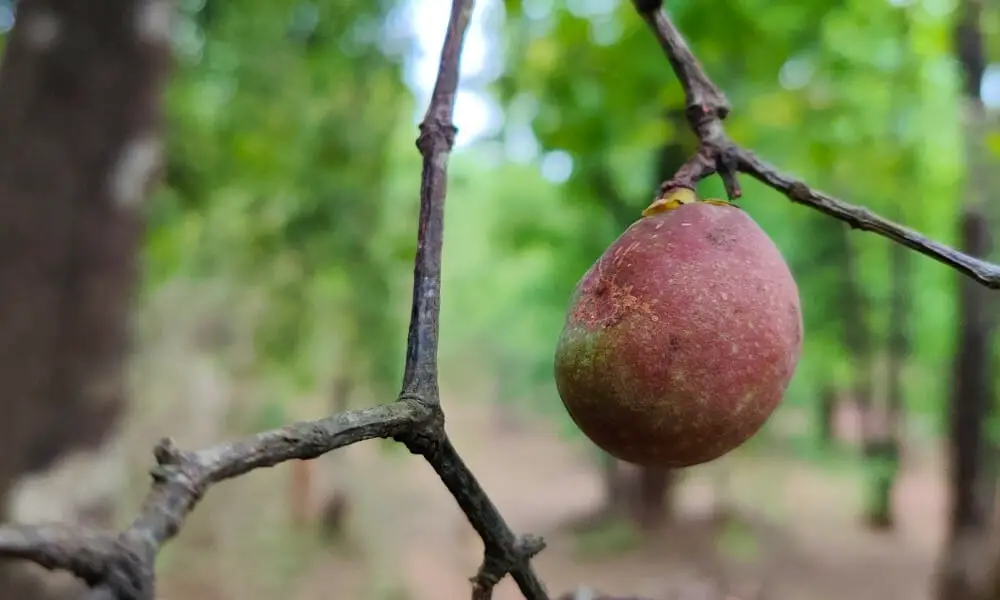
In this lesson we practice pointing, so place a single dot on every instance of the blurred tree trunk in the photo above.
(882, 447)
(857, 335)
(643, 495)
(303, 480)
(827, 415)
(655, 497)
(827, 239)
(878, 438)
(884, 453)
(335, 502)
(962, 574)
(80, 88)
(615, 492)
(972, 479)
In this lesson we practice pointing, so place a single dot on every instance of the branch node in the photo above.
(727, 165)
(698, 167)
(171, 463)
(432, 404)
(701, 115)
(423, 440)
(799, 192)
(436, 131)
(530, 546)
(128, 576)
(499, 561)
(166, 452)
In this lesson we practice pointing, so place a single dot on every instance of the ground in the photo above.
(777, 529)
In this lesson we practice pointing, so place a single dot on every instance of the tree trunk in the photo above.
(882, 449)
(877, 442)
(826, 415)
(336, 501)
(643, 495)
(80, 88)
(857, 335)
(615, 492)
(655, 499)
(962, 574)
(973, 482)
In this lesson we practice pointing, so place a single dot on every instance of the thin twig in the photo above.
(180, 480)
(707, 107)
(504, 551)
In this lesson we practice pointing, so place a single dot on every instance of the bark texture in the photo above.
(80, 88)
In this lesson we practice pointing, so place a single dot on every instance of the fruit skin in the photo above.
(681, 339)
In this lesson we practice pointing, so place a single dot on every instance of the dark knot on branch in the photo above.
(500, 561)
(130, 576)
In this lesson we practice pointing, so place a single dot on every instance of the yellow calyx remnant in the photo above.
(674, 199)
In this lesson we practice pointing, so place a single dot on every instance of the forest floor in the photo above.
(792, 530)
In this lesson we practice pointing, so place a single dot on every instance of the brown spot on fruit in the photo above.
(721, 238)
(645, 364)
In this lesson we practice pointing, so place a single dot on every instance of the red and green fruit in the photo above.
(680, 341)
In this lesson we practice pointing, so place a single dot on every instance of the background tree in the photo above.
(288, 122)
(966, 561)
(71, 221)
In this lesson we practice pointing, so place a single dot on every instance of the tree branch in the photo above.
(180, 480)
(707, 108)
(119, 566)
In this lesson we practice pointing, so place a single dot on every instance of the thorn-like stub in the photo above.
(166, 452)
(732, 184)
(799, 192)
(530, 546)
(727, 165)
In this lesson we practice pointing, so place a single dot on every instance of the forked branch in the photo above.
(120, 565)
(707, 108)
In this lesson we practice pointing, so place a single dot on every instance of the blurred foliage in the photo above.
(283, 124)
(616, 536)
(292, 173)
(738, 541)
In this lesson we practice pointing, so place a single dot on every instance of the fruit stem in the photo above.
(671, 199)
